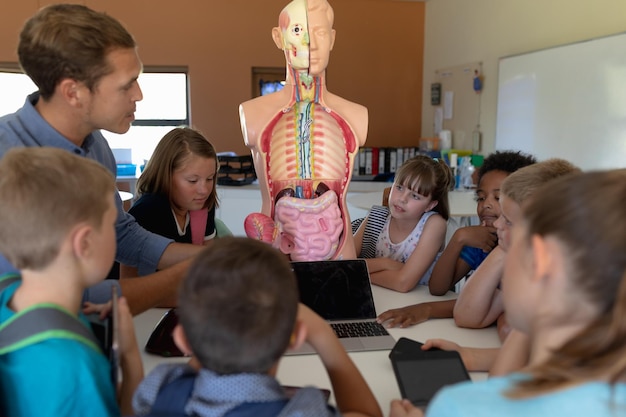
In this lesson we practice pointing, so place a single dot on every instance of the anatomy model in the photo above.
(303, 140)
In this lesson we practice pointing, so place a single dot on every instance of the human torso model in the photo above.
(303, 141)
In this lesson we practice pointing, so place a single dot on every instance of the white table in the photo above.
(125, 195)
(375, 366)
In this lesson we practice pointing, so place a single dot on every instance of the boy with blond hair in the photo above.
(57, 226)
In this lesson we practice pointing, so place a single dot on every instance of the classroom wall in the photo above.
(462, 31)
(376, 62)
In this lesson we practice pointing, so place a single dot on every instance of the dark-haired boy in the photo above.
(239, 313)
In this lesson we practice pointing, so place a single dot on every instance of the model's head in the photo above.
(238, 306)
(69, 41)
(496, 167)
(46, 192)
(428, 177)
(305, 33)
(570, 247)
(519, 186)
(321, 34)
(183, 167)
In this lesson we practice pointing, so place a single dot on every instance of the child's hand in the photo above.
(441, 344)
(404, 408)
(405, 316)
(482, 237)
(468, 355)
(103, 310)
(128, 341)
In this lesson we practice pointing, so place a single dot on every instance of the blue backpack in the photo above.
(40, 322)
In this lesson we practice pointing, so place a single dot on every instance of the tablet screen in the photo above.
(420, 379)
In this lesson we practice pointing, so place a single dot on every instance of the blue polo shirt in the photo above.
(135, 245)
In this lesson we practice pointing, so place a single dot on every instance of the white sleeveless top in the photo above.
(401, 251)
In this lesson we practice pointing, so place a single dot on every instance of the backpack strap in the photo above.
(173, 397)
(8, 279)
(375, 221)
(41, 322)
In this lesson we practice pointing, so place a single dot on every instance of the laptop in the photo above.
(341, 293)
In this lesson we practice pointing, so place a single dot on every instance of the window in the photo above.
(267, 80)
(165, 105)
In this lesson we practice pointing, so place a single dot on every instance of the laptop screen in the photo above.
(336, 290)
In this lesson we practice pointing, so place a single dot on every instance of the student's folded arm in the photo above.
(513, 355)
(417, 313)
(352, 394)
(407, 277)
(130, 359)
(480, 304)
(449, 269)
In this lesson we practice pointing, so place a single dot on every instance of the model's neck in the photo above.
(307, 88)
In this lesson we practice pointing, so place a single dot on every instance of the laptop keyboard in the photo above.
(359, 329)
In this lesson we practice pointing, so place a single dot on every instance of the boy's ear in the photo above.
(180, 339)
(298, 336)
(81, 239)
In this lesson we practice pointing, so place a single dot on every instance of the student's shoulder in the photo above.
(470, 398)
(434, 218)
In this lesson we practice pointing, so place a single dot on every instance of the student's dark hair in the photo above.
(428, 177)
(507, 161)
(238, 306)
(171, 153)
(587, 215)
(69, 41)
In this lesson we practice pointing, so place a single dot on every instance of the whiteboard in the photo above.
(567, 102)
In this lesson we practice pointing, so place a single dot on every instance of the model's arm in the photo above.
(417, 313)
(480, 302)
(352, 394)
(450, 268)
(385, 272)
(159, 289)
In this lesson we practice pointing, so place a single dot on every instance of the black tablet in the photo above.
(421, 373)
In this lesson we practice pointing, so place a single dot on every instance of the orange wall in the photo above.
(377, 59)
